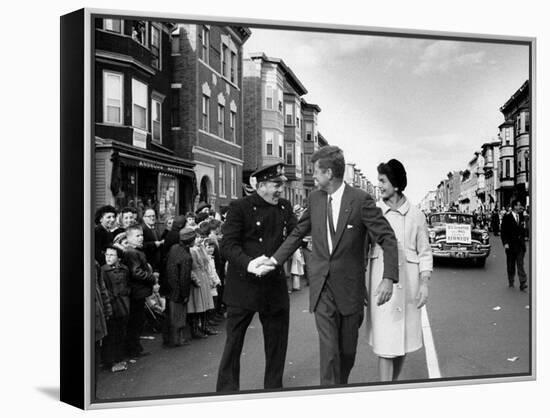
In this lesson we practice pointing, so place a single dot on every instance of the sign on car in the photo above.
(458, 233)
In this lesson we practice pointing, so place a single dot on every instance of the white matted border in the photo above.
(212, 19)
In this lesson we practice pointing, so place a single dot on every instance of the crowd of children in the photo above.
(181, 296)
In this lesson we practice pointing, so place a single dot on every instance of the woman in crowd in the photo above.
(126, 218)
(394, 328)
(200, 298)
(105, 221)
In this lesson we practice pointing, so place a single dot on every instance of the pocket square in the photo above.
(349, 226)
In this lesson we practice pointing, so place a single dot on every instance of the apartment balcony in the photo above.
(123, 47)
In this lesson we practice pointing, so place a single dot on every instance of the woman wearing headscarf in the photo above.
(395, 328)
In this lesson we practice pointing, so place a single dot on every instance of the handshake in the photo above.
(262, 265)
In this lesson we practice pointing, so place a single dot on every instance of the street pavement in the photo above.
(480, 327)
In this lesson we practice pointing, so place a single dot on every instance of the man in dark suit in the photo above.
(151, 241)
(512, 232)
(256, 226)
(339, 218)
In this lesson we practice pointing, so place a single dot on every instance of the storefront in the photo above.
(144, 180)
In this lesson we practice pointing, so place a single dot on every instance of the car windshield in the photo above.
(440, 219)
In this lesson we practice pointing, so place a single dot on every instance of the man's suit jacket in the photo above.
(152, 252)
(345, 266)
(512, 232)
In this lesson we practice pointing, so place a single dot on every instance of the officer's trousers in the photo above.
(275, 330)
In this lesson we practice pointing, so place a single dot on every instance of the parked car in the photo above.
(455, 235)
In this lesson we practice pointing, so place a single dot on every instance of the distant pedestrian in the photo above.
(513, 239)
(495, 222)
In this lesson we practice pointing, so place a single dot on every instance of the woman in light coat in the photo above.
(395, 328)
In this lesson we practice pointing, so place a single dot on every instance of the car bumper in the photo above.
(441, 253)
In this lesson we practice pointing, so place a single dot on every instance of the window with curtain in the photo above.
(234, 68)
(221, 177)
(233, 180)
(156, 119)
(205, 46)
(289, 151)
(221, 121)
(155, 47)
(309, 131)
(269, 143)
(269, 97)
(113, 25)
(289, 113)
(232, 124)
(139, 104)
(112, 97)
(205, 113)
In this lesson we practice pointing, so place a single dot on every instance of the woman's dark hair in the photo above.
(129, 209)
(396, 174)
(102, 211)
(190, 215)
(331, 157)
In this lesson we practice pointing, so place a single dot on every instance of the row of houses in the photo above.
(498, 172)
(182, 116)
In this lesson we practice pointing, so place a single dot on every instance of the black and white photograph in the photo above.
(275, 208)
(283, 208)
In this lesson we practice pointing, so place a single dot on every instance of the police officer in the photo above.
(255, 227)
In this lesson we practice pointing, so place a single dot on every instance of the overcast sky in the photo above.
(429, 103)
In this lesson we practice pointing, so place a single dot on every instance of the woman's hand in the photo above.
(422, 296)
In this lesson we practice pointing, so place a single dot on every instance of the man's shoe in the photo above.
(522, 287)
(141, 354)
(510, 284)
(209, 331)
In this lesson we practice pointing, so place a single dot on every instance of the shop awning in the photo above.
(129, 160)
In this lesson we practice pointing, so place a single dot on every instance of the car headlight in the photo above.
(485, 236)
(432, 234)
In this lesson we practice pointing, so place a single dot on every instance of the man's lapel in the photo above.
(345, 211)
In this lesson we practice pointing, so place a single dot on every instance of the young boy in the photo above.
(115, 276)
(141, 282)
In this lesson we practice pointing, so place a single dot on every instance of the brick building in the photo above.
(490, 152)
(310, 137)
(274, 123)
(207, 107)
(514, 147)
(136, 163)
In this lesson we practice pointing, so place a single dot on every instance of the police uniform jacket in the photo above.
(253, 228)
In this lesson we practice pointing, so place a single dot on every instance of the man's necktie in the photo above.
(331, 220)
